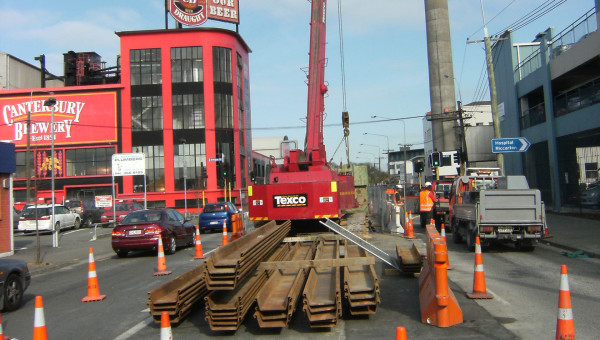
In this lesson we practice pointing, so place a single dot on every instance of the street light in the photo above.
(369, 153)
(388, 147)
(378, 152)
(52, 102)
(182, 141)
(403, 147)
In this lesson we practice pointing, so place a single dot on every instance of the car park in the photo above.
(140, 230)
(213, 215)
(122, 208)
(63, 218)
(14, 280)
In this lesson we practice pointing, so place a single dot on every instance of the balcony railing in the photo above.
(578, 98)
(533, 116)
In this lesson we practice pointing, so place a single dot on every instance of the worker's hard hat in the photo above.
(427, 184)
(399, 186)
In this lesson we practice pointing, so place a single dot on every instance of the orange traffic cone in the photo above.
(199, 254)
(479, 290)
(162, 263)
(409, 233)
(565, 327)
(225, 240)
(547, 232)
(1, 332)
(165, 327)
(400, 333)
(39, 323)
(93, 289)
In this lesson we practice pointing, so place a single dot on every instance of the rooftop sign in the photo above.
(196, 12)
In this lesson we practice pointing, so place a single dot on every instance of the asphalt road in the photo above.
(525, 286)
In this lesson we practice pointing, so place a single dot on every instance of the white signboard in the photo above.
(128, 164)
(103, 201)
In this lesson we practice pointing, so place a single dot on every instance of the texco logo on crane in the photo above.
(292, 200)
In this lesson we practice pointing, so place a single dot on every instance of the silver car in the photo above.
(591, 197)
(63, 218)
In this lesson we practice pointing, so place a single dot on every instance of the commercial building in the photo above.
(549, 92)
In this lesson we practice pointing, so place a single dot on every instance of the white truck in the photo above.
(496, 208)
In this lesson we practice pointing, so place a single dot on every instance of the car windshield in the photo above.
(142, 216)
(31, 212)
(214, 208)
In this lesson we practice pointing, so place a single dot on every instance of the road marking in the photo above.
(131, 332)
(498, 298)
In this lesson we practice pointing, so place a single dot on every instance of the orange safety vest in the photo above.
(425, 202)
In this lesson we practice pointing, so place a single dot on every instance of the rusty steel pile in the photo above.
(276, 272)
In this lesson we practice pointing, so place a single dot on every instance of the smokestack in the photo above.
(441, 76)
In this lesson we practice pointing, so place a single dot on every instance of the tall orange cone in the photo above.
(565, 326)
(409, 232)
(162, 263)
(400, 333)
(39, 323)
(1, 332)
(225, 240)
(547, 232)
(165, 327)
(93, 289)
(199, 254)
(479, 290)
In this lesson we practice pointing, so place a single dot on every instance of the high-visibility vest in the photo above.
(425, 202)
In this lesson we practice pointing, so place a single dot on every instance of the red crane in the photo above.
(304, 187)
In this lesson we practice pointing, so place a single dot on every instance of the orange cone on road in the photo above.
(225, 240)
(165, 327)
(400, 333)
(432, 221)
(93, 289)
(162, 263)
(565, 326)
(479, 289)
(443, 230)
(1, 332)
(39, 323)
(547, 232)
(199, 254)
(409, 232)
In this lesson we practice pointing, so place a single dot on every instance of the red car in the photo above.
(122, 209)
(140, 230)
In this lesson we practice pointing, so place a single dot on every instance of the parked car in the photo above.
(14, 280)
(591, 197)
(122, 209)
(213, 214)
(140, 230)
(63, 218)
(87, 210)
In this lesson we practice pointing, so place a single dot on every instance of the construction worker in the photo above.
(426, 204)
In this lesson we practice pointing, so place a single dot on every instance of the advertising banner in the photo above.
(79, 118)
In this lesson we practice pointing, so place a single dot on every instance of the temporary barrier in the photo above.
(162, 263)
(565, 326)
(237, 227)
(479, 289)
(93, 289)
(39, 322)
(199, 254)
(438, 303)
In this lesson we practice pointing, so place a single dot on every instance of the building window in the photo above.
(89, 162)
(195, 164)
(145, 67)
(21, 169)
(188, 111)
(186, 65)
(155, 169)
(591, 171)
(146, 113)
(222, 65)
(223, 111)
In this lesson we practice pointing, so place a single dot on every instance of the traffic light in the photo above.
(420, 167)
(252, 176)
(435, 159)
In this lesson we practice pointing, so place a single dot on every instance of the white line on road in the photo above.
(131, 332)
(498, 298)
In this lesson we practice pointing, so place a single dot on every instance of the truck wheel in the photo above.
(456, 236)
(470, 238)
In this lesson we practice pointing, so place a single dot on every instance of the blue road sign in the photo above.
(500, 145)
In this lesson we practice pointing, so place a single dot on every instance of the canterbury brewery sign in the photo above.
(196, 12)
(78, 118)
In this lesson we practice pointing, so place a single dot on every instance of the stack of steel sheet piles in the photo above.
(277, 300)
(321, 295)
(178, 295)
(409, 259)
(231, 263)
(361, 288)
(225, 310)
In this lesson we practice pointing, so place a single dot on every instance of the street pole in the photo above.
(52, 102)
(182, 140)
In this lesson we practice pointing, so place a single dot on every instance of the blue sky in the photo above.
(385, 55)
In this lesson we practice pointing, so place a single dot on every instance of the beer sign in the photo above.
(196, 12)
